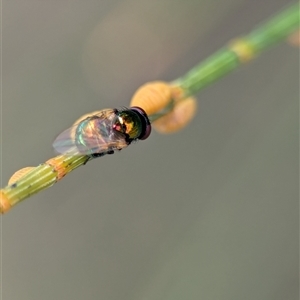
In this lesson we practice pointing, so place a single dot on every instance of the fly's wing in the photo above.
(96, 135)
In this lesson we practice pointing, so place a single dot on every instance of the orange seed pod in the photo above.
(20, 173)
(182, 113)
(155, 96)
(152, 97)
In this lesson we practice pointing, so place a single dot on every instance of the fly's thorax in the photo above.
(133, 123)
(96, 136)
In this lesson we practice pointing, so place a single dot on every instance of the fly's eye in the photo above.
(145, 123)
(128, 123)
(133, 123)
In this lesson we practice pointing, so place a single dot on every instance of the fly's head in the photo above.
(133, 123)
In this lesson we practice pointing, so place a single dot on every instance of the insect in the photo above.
(104, 132)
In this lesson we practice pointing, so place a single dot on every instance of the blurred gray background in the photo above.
(208, 213)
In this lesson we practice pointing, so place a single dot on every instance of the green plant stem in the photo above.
(228, 58)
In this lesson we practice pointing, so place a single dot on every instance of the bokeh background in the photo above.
(211, 212)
